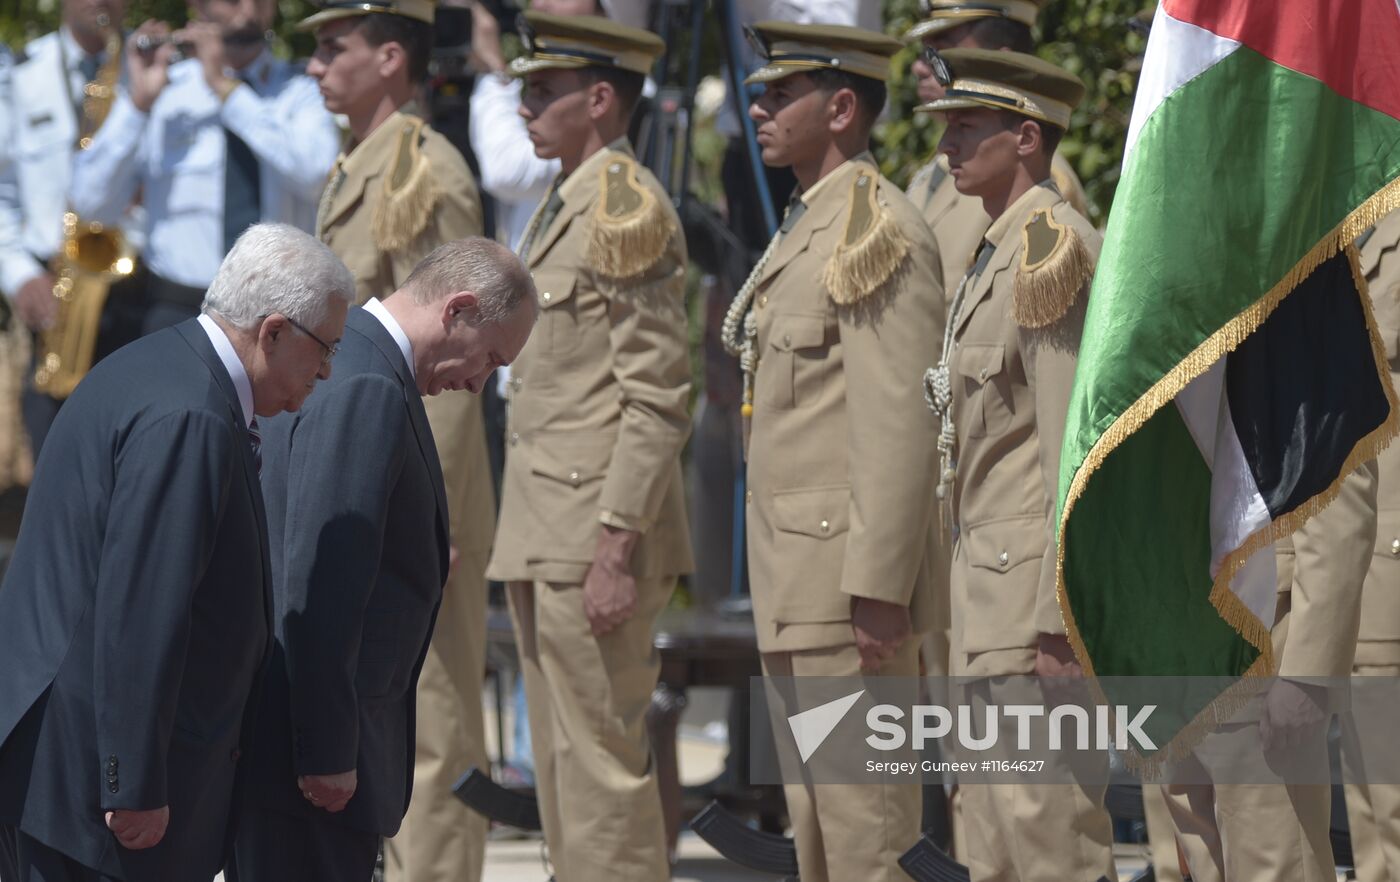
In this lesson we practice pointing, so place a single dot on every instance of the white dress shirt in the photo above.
(38, 137)
(175, 156)
(510, 171)
(223, 347)
(391, 324)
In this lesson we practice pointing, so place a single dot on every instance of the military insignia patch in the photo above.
(1055, 264)
(871, 250)
(630, 229)
(409, 193)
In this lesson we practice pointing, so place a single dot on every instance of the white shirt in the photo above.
(391, 324)
(38, 137)
(175, 157)
(232, 363)
(510, 171)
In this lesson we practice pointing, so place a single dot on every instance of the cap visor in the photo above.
(931, 26)
(945, 104)
(524, 65)
(770, 72)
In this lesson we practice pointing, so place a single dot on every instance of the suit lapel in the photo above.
(815, 219)
(547, 238)
(199, 341)
(369, 327)
(1006, 231)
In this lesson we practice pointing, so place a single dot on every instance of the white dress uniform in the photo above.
(38, 134)
(175, 155)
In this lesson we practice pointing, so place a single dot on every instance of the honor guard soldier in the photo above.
(958, 221)
(227, 137)
(592, 533)
(398, 190)
(60, 90)
(1373, 810)
(1003, 386)
(832, 330)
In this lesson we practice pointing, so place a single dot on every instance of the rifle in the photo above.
(502, 805)
(745, 846)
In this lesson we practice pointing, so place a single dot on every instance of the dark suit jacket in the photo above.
(357, 512)
(135, 615)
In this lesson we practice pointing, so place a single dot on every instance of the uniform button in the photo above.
(1395, 547)
(573, 478)
(982, 375)
(514, 438)
(112, 787)
(517, 382)
(787, 339)
(1003, 558)
(826, 526)
(545, 296)
(763, 301)
(748, 496)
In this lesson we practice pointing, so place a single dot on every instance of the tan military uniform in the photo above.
(958, 222)
(393, 198)
(598, 417)
(1373, 811)
(841, 467)
(1016, 339)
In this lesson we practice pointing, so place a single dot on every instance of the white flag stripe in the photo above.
(1237, 508)
(1176, 54)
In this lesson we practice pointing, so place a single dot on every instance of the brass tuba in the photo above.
(92, 257)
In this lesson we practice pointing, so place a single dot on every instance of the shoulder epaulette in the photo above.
(409, 193)
(631, 228)
(1055, 264)
(872, 248)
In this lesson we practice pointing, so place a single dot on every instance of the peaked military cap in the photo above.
(942, 15)
(420, 10)
(788, 48)
(1010, 81)
(555, 42)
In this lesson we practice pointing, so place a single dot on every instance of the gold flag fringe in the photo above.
(1044, 294)
(406, 203)
(1163, 392)
(858, 269)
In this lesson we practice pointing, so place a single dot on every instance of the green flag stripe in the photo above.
(1236, 178)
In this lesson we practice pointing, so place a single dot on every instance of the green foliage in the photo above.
(1090, 38)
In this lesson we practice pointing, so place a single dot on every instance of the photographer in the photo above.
(215, 143)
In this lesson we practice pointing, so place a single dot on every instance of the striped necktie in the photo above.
(255, 441)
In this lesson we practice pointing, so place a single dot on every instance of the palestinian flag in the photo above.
(1230, 372)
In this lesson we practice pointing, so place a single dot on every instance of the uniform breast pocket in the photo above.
(986, 387)
(191, 164)
(558, 327)
(792, 369)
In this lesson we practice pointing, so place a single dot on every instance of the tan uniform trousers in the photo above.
(1161, 835)
(587, 698)
(849, 832)
(1373, 810)
(441, 840)
(1029, 832)
(1250, 832)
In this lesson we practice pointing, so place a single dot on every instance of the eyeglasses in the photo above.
(328, 351)
(938, 64)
